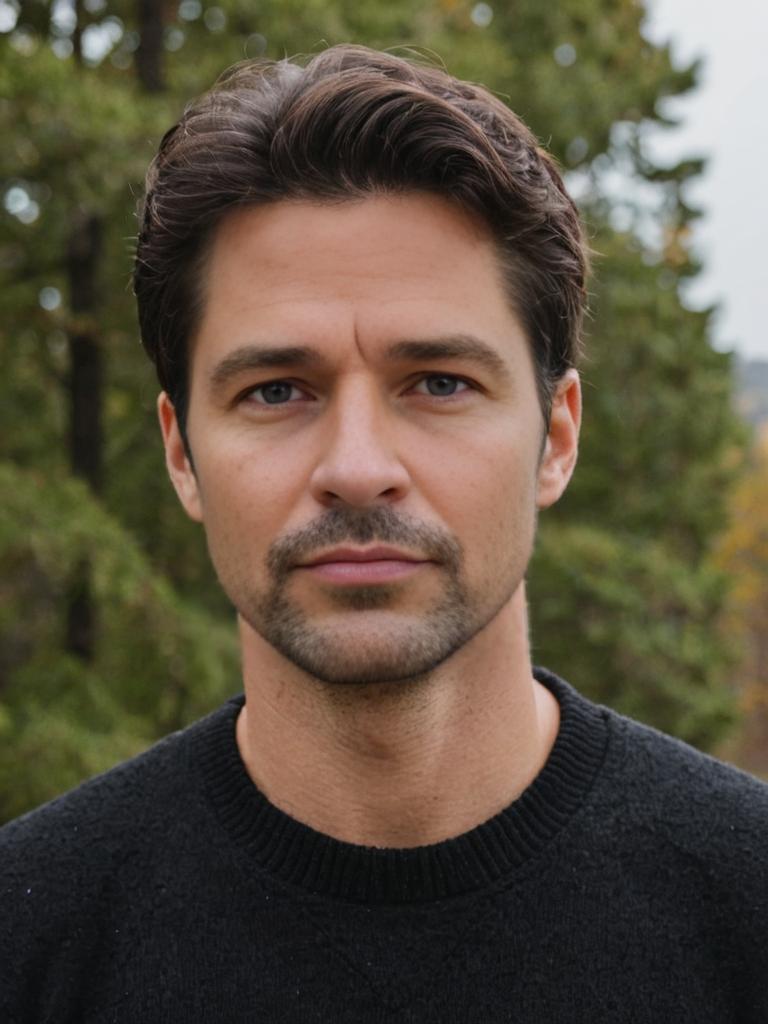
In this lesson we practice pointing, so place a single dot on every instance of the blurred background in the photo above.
(649, 587)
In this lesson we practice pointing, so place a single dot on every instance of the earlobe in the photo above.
(177, 461)
(562, 443)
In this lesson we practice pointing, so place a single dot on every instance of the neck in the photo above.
(399, 764)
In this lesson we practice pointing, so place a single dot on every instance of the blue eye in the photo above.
(276, 392)
(442, 385)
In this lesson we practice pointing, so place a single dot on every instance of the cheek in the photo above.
(245, 502)
(488, 496)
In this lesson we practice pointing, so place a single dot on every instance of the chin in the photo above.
(379, 647)
(364, 659)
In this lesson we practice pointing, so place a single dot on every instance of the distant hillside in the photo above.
(752, 390)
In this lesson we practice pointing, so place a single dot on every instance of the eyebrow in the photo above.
(257, 357)
(456, 346)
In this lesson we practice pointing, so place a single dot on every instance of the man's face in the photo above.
(369, 451)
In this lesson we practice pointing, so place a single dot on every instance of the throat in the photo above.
(413, 767)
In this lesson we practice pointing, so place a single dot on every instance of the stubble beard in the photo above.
(398, 648)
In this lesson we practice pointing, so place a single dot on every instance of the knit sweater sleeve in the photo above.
(708, 825)
(63, 868)
(50, 888)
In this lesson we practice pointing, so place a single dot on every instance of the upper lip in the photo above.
(377, 554)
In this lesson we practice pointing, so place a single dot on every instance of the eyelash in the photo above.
(468, 386)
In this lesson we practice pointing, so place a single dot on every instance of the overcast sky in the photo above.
(726, 119)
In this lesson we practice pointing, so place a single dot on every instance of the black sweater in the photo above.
(628, 883)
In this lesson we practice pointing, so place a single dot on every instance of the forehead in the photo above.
(375, 269)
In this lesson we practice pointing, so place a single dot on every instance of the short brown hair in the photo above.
(346, 123)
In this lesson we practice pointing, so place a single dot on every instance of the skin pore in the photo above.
(369, 460)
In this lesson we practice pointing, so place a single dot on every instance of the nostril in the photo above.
(359, 482)
(360, 496)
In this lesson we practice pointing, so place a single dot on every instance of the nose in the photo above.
(358, 464)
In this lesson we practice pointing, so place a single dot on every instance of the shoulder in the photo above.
(709, 813)
(80, 838)
(650, 783)
(101, 806)
(679, 772)
(89, 864)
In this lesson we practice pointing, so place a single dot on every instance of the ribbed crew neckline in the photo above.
(301, 856)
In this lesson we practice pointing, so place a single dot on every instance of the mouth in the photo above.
(363, 566)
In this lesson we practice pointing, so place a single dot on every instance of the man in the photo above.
(361, 282)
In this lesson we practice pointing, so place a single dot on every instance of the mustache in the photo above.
(363, 526)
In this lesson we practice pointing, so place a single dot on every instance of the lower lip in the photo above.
(357, 573)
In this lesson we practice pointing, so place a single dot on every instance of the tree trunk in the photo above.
(77, 34)
(149, 55)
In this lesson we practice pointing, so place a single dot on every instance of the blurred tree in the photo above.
(158, 662)
(660, 451)
(743, 553)
(88, 88)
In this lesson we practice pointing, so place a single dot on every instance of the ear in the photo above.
(180, 469)
(562, 442)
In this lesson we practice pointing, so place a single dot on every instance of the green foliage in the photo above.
(624, 601)
(628, 552)
(659, 432)
(159, 662)
(631, 624)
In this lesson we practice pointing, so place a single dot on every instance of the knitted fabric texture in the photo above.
(628, 883)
